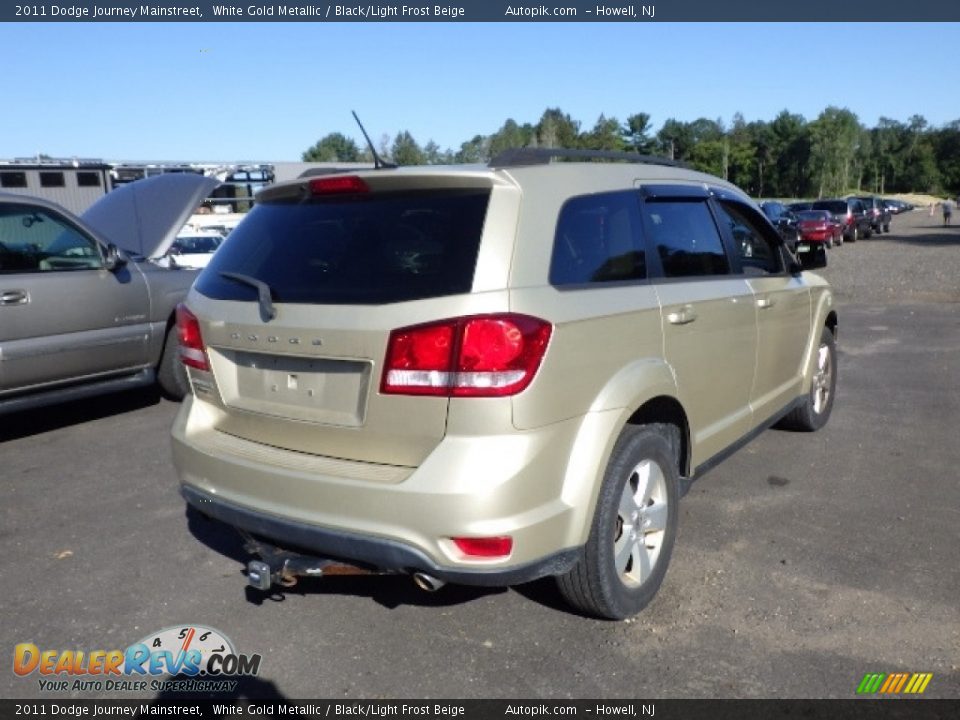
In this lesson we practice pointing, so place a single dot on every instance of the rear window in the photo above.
(838, 207)
(196, 244)
(354, 250)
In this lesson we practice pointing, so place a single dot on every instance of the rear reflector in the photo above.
(193, 353)
(485, 547)
(480, 356)
(338, 185)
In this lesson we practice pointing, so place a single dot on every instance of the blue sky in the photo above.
(267, 91)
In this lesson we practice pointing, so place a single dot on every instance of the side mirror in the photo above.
(113, 260)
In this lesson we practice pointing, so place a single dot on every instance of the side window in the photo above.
(598, 240)
(37, 240)
(686, 237)
(758, 254)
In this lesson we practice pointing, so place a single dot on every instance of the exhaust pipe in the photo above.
(427, 582)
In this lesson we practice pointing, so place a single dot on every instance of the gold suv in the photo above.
(491, 374)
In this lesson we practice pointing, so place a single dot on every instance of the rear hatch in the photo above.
(837, 208)
(297, 307)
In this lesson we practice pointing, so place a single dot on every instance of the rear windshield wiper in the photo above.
(267, 311)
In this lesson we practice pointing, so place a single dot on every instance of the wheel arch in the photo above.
(667, 410)
(588, 463)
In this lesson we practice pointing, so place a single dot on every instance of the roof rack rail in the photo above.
(517, 157)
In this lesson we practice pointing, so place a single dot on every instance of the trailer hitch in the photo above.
(285, 567)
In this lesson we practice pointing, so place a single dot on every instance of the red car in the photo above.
(818, 226)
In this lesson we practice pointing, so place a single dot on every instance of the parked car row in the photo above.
(831, 221)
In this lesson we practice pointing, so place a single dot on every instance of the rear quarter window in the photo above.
(598, 240)
(363, 249)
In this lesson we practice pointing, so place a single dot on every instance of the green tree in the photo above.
(474, 151)
(605, 135)
(709, 149)
(740, 155)
(676, 139)
(889, 141)
(557, 129)
(790, 150)
(334, 147)
(511, 135)
(834, 142)
(636, 134)
(405, 150)
(762, 142)
(946, 143)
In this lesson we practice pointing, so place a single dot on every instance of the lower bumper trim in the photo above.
(378, 553)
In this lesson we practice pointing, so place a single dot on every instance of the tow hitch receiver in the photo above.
(283, 567)
(258, 575)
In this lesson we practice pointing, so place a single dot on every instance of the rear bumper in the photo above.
(523, 485)
(378, 553)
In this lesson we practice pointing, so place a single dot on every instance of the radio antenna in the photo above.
(378, 162)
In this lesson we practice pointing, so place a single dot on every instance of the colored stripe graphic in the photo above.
(918, 683)
(870, 683)
(894, 683)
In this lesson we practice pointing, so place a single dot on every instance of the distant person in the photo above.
(932, 206)
(947, 211)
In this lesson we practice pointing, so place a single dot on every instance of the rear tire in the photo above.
(854, 234)
(814, 410)
(634, 526)
(171, 373)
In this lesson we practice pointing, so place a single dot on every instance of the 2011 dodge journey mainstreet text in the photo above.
(492, 374)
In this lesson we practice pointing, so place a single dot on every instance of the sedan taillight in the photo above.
(479, 356)
(193, 353)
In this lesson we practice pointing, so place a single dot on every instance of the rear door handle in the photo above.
(684, 315)
(13, 297)
(766, 302)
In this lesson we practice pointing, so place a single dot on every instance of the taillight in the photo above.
(338, 185)
(484, 547)
(193, 353)
(481, 356)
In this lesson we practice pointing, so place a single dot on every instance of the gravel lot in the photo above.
(919, 261)
(802, 563)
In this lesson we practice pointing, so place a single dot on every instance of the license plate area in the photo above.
(321, 390)
(803, 247)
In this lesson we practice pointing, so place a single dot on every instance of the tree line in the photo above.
(786, 157)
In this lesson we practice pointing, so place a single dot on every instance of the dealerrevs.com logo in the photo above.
(200, 658)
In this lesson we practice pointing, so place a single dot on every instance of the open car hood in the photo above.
(144, 217)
